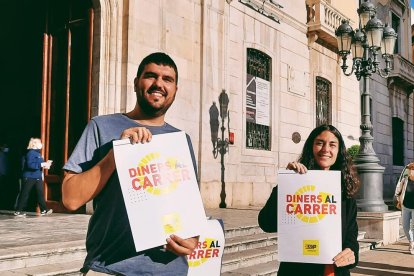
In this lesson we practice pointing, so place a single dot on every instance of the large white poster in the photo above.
(160, 189)
(309, 216)
(206, 258)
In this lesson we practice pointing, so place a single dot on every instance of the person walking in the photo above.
(91, 174)
(32, 176)
(404, 193)
(4, 165)
(4, 174)
(323, 150)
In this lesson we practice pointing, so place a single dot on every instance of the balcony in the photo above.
(402, 72)
(322, 21)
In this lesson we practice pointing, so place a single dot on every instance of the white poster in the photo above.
(309, 216)
(160, 189)
(262, 102)
(206, 258)
(257, 100)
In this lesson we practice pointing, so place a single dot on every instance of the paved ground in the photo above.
(19, 235)
(33, 230)
(392, 260)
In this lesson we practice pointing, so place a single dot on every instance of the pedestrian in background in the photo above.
(404, 193)
(4, 164)
(323, 150)
(32, 175)
(4, 172)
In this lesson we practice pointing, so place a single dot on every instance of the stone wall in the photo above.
(209, 41)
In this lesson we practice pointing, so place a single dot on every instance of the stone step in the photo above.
(242, 231)
(242, 251)
(56, 269)
(248, 258)
(361, 235)
(270, 268)
(261, 239)
(263, 269)
(240, 243)
(247, 248)
(43, 254)
(369, 244)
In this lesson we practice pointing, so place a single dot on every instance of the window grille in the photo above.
(257, 135)
(323, 102)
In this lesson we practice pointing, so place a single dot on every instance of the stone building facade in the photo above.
(220, 45)
(211, 41)
(392, 99)
(276, 60)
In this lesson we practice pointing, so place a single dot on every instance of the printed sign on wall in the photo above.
(160, 189)
(309, 216)
(257, 100)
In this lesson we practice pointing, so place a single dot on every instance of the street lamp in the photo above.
(220, 145)
(365, 44)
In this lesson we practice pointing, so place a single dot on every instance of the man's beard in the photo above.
(150, 110)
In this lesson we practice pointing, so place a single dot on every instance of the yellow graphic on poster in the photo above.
(158, 177)
(310, 207)
(172, 223)
(311, 247)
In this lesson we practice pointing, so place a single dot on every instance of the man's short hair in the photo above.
(158, 58)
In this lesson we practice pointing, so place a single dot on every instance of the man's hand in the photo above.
(137, 135)
(181, 247)
(346, 257)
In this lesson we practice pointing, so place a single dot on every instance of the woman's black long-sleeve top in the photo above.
(268, 223)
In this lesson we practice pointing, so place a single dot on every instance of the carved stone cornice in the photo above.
(402, 73)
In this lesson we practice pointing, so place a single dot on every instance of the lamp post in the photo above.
(221, 145)
(366, 43)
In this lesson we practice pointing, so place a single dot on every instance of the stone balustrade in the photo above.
(322, 21)
(402, 72)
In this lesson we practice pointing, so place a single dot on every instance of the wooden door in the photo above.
(66, 86)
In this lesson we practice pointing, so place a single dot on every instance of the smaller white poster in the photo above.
(309, 216)
(262, 102)
(160, 189)
(206, 258)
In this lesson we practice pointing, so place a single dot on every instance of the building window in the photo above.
(396, 26)
(323, 102)
(398, 141)
(258, 100)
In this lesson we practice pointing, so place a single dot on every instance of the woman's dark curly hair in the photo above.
(343, 163)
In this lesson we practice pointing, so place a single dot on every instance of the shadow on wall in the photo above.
(214, 123)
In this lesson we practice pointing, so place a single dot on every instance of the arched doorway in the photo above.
(46, 90)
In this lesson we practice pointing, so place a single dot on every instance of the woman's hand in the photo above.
(46, 165)
(346, 257)
(297, 167)
(137, 135)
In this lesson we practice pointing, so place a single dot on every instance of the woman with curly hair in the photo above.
(323, 150)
